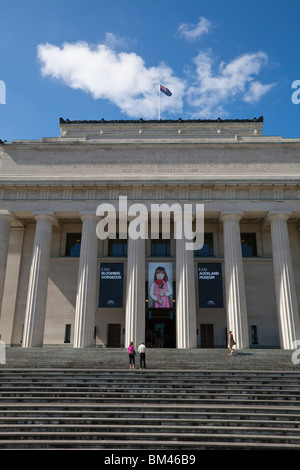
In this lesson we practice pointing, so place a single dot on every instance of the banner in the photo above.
(210, 285)
(111, 285)
(160, 285)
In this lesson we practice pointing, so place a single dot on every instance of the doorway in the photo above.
(113, 335)
(160, 328)
(207, 335)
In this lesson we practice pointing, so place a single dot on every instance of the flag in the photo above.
(165, 90)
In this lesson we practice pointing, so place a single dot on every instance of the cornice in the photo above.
(156, 121)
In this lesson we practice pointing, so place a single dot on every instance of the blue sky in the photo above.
(96, 59)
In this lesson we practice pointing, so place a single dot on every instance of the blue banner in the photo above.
(111, 285)
(210, 286)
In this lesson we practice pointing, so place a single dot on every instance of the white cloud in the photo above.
(210, 92)
(113, 42)
(193, 32)
(122, 78)
(256, 92)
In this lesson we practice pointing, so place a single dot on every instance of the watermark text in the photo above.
(296, 354)
(296, 93)
(188, 222)
(2, 92)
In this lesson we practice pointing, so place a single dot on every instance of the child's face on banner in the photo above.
(160, 275)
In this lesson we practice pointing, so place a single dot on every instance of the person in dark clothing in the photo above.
(142, 353)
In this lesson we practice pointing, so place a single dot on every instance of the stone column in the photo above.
(38, 283)
(12, 280)
(287, 307)
(5, 223)
(135, 299)
(186, 330)
(234, 281)
(87, 285)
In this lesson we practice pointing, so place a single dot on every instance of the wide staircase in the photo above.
(76, 408)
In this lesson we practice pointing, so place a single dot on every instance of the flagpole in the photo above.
(159, 101)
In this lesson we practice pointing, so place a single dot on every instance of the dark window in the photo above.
(248, 244)
(254, 334)
(68, 334)
(160, 247)
(208, 246)
(73, 243)
(117, 247)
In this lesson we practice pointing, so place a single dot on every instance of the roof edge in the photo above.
(154, 121)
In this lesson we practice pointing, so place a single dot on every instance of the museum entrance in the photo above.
(160, 328)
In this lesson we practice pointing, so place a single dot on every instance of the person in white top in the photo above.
(142, 353)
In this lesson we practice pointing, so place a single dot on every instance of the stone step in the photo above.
(152, 445)
(188, 373)
(140, 375)
(200, 371)
(170, 387)
(193, 392)
(133, 407)
(155, 381)
(142, 398)
(141, 434)
(134, 421)
(162, 412)
(141, 402)
(32, 429)
(141, 440)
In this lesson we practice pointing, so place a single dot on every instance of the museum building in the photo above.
(63, 284)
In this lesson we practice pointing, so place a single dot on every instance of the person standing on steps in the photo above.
(231, 342)
(142, 353)
(131, 353)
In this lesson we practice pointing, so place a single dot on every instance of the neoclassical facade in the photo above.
(61, 284)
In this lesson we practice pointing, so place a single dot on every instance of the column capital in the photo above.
(93, 217)
(231, 216)
(278, 216)
(50, 217)
(6, 215)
